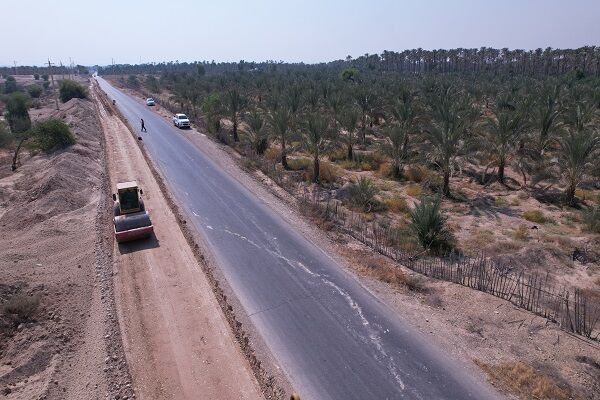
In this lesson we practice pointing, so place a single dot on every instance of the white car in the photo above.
(181, 121)
(149, 101)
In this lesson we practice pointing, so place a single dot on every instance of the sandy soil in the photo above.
(177, 341)
(54, 246)
(467, 324)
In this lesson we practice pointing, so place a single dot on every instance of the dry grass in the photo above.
(535, 216)
(588, 195)
(395, 276)
(597, 281)
(474, 328)
(480, 239)
(328, 173)
(414, 191)
(397, 205)
(416, 174)
(273, 154)
(525, 382)
(521, 233)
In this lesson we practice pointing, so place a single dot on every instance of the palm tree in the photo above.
(348, 120)
(452, 116)
(235, 105)
(403, 111)
(316, 140)
(335, 101)
(364, 100)
(548, 109)
(257, 134)
(578, 148)
(505, 128)
(395, 138)
(280, 124)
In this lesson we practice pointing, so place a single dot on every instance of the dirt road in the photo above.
(177, 342)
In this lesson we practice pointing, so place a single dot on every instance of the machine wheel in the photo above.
(116, 209)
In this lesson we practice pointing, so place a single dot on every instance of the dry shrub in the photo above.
(435, 300)
(21, 306)
(273, 154)
(535, 216)
(385, 170)
(416, 173)
(328, 173)
(521, 233)
(525, 382)
(397, 204)
(338, 155)
(393, 275)
(472, 327)
(584, 195)
(483, 238)
(414, 191)
(597, 281)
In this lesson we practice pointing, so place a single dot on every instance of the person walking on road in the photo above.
(143, 126)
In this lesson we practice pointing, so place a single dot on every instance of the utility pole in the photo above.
(62, 70)
(15, 63)
(53, 86)
(70, 68)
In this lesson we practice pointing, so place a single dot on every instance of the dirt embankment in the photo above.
(59, 338)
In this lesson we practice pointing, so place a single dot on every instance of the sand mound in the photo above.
(48, 210)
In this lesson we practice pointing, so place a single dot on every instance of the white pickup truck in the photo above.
(181, 121)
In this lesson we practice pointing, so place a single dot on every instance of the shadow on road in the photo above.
(138, 245)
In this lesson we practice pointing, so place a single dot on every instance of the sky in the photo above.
(134, 31)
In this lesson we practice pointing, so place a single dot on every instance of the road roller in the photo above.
(131, 220)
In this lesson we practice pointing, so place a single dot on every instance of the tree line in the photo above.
(538, 62)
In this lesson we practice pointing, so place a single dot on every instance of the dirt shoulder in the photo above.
(178, 343)
(492, 334)
(60, 339)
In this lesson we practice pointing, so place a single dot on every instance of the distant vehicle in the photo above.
(181, 121)
(149, 101)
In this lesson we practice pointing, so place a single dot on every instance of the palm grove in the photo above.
(526, 120)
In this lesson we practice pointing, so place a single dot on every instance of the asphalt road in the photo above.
(333, 339)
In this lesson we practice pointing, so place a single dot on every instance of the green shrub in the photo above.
(428, 224)
(46, 85)
(17, 112)
(362, 194)
(34, 91)
(45, 77)
(535, 216)
(51, 135)
(10, 85)
(71, 90)
(133, 82)
(6, 137)
(36, 77)
(591, 219)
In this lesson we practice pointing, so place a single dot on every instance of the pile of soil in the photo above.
(54, 259)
